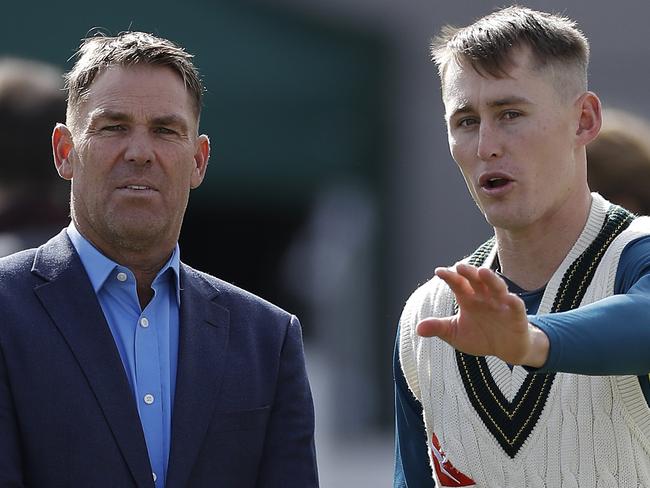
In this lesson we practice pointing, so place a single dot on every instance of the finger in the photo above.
(458, 284)
(515, 304)
(494, 283)
(435, 327)
(471, 274)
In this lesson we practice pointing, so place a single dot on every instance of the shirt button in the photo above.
(148, 399)
(144, 322)
(121, 276)
(154, 477)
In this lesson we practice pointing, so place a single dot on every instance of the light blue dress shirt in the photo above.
(147, 340)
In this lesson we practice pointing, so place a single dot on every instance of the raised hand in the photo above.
(490, 320)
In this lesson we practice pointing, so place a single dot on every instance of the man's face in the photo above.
(134, 157)
(514, 139)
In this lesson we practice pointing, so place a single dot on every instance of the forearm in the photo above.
(608, 337)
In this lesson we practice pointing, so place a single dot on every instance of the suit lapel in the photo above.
(71, 302)
(204, 327)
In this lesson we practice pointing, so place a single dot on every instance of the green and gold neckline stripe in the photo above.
(511, 422)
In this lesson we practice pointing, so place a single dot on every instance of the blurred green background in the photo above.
(330, 191)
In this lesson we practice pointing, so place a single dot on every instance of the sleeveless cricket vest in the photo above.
(493, 426)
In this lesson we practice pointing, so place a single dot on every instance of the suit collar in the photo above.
(204, 330)
(99, 266)
(55, 257)
(71, 302)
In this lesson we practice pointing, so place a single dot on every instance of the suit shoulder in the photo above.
(16, 264)
(16, 278)
(18, 258)
(232, 295)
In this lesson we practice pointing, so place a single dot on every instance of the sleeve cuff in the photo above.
(545, 325)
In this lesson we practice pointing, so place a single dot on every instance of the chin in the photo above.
(139, 234)
(506, 220)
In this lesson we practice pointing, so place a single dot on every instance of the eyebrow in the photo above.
(466, 107)
(171, 119)
(161, 120)
(109, 115)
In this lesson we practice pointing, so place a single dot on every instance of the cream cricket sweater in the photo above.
(509, 429)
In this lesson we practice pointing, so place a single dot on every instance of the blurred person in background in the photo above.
(618, 161)
(119, 364)
(527, 363)
(33, 199)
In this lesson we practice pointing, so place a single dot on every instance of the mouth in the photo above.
(137, 188)
(494, 182)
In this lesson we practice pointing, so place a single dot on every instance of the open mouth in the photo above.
(495, 183)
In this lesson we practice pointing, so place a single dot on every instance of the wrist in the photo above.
(538, 349)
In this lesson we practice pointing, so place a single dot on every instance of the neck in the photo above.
(144, 261)
(145, 267)
(530, 256)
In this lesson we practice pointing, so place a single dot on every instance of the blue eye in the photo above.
(164, 130)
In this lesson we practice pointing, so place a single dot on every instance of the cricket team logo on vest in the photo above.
(447, 474)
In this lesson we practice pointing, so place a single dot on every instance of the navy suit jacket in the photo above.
(243, 413)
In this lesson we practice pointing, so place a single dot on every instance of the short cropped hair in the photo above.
(488, 43)
(100, 51)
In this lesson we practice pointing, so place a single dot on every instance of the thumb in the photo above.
(435, 327)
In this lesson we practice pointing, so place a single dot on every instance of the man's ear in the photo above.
(590, 118)
(201, 157)
(62, 146)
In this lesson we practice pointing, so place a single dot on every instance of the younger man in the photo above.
(528, 361)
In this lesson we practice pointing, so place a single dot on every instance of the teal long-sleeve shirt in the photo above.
(608, 337)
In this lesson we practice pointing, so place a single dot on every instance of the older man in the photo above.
(119, 364)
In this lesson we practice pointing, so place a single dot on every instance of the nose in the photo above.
(489, 142)
(139, 149)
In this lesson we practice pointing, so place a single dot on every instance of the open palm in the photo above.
(490, 320)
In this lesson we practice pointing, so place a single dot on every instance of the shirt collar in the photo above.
(99, 267)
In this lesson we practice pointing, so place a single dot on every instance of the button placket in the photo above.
(148, 380)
